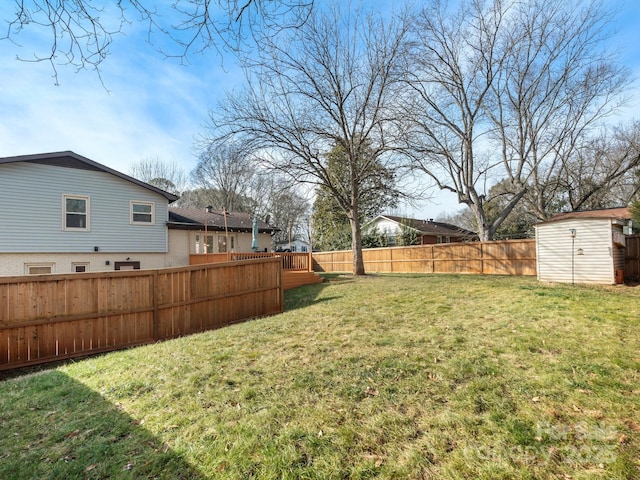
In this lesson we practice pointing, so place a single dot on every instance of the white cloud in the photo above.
(148, 107)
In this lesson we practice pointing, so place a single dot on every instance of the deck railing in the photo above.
(291, 261)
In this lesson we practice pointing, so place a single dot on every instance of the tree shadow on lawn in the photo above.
(54, 427)
(307, 295)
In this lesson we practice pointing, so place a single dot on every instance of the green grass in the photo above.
(386, 376)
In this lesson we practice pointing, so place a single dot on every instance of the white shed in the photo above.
(582, 247)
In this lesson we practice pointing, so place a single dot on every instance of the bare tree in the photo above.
(504, 90)
(599, 174)
(165, 175)
(228, 174)
(288, 210)
(82, 32)
(330, 83)
(227, 177)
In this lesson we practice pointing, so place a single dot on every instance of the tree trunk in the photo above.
(477, 207)
(356, 247)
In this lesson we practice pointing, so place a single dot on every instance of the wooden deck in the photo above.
(296, 267)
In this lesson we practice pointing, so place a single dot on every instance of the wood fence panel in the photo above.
(632, 258)
(52, 317)
(457, 258)
(509, 257)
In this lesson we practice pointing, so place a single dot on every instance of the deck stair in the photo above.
(293, 279)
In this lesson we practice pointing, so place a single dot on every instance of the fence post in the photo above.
(156, 320)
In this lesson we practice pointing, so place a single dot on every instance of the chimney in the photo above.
(209, 209)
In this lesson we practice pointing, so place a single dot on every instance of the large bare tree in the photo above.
(228, 174)
(504, 90)
(329, 84)
(80, 32)
(601, 173)
(225, 176)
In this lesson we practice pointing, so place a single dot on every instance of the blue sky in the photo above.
(152, 107)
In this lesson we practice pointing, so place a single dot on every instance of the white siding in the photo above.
(587, 258)
(32, 194)
(13, 264)
(388, 227)
(243, 241)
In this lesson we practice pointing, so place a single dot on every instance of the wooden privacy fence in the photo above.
(632, 258)
(53, 317)
(291, 261)
(507, 257)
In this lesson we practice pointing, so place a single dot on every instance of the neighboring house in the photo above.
(428, 231)
(582, 247)
(65, 213)
(194, 230)
(296, 245)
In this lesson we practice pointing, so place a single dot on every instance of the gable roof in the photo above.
(430, 227)
(621, 213)
(195, 219)
(69, 159)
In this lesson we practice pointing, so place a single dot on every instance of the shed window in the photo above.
(76, 213)
(143, 213)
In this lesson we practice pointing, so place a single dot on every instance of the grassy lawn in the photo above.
(389, 376)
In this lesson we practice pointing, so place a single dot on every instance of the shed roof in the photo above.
(69, 159)
(621, 213)
(195, 219)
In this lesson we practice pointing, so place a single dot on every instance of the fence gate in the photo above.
(632, 258)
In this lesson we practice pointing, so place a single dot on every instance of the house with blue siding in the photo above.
(65, 213)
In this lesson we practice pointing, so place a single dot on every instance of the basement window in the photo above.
(126, 265)
(38, 268)
(79, 267)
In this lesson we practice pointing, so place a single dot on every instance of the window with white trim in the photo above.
(38, 268)
(143, 213)
(79, 267)
(75, 212)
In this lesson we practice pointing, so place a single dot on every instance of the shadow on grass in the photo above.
(57, 428)
(307, 295)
